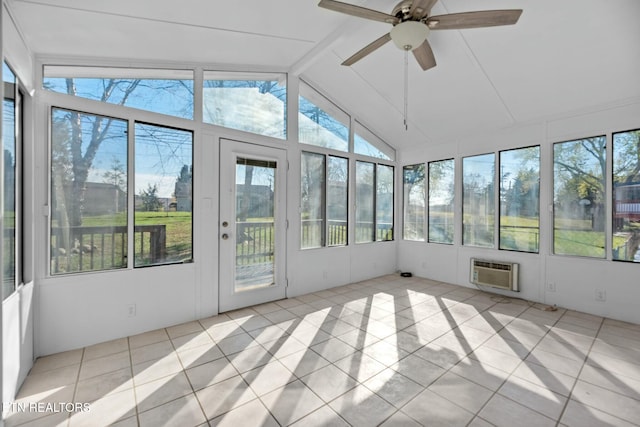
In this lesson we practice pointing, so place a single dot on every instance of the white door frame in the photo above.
(229, 297)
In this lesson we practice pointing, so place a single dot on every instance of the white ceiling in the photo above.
(561, 58)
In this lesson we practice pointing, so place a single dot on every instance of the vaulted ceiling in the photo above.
(561, 58)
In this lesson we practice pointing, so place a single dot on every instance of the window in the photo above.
(478, 200)
(520, 199)
(414, 201)
(367, 143)
(312, 200)
(11, 146)
(384, 202)
(365, 202)
(252, 102)
(374, 202)
(320, 122)
(626, 196)
(579, 197)
(164, 195)
(160, 91)
(88, 192)
(315, 231)
(337, 200)
(441, 199)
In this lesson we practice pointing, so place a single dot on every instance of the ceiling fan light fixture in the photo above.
(409, 35)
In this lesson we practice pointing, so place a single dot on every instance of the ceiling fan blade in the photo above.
(360, 12)
(367, 49)
(421, 8)
(484, 18)
(424, 55)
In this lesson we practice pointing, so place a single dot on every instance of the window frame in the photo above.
(392, 205)
(499, 189)
(16, 93)
(122, 73)
(428, 204)
(132, 185)
(606, 245)
(374, 140)
(50, 183)
(315, 97)
(325, 229)
(255, 76)
(493, 201)
(613, 199)
(406, 198)
(131, 120)
(375, 197)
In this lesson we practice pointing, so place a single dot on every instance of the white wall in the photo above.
(82, 309)
(314, 270)
(18, 309)
(576, 279)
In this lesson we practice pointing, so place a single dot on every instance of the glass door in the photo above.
(252, 230)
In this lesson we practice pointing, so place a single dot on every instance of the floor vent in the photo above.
(502, 275)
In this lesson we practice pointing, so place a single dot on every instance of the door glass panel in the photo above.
(255, 224)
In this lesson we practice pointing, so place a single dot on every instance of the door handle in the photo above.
(225, 236)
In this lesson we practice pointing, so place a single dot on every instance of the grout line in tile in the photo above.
(566, 403)
(133, 382)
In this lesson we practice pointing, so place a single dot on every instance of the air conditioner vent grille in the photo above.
(501, 275)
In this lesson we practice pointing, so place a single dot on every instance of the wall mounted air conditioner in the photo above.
(502, 275)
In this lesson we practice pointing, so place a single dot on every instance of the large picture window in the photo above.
(88, 192)
(160, 91)
(626, 196)
(579, 184)
(414, 186)
(478, 200)
(164, 195)
(441, 201)
(251, 102)
(519, 199)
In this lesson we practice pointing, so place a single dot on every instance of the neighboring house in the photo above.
(259, 204)
(101, 197)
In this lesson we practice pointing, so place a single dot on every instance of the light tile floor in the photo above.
(389, 351)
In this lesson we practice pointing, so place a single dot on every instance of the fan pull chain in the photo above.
(406, 89)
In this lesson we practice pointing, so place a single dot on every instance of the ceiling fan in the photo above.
(412, 23)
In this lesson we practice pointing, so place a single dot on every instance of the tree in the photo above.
(580, 177)
(626, 167)
(77, 137)
(80, 161)
(116, 175)
(149, 198)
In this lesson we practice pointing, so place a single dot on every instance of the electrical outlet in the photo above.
(551, 286)
(601, 295)
(131, 310)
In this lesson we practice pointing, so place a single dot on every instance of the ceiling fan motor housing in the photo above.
(402, 11)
